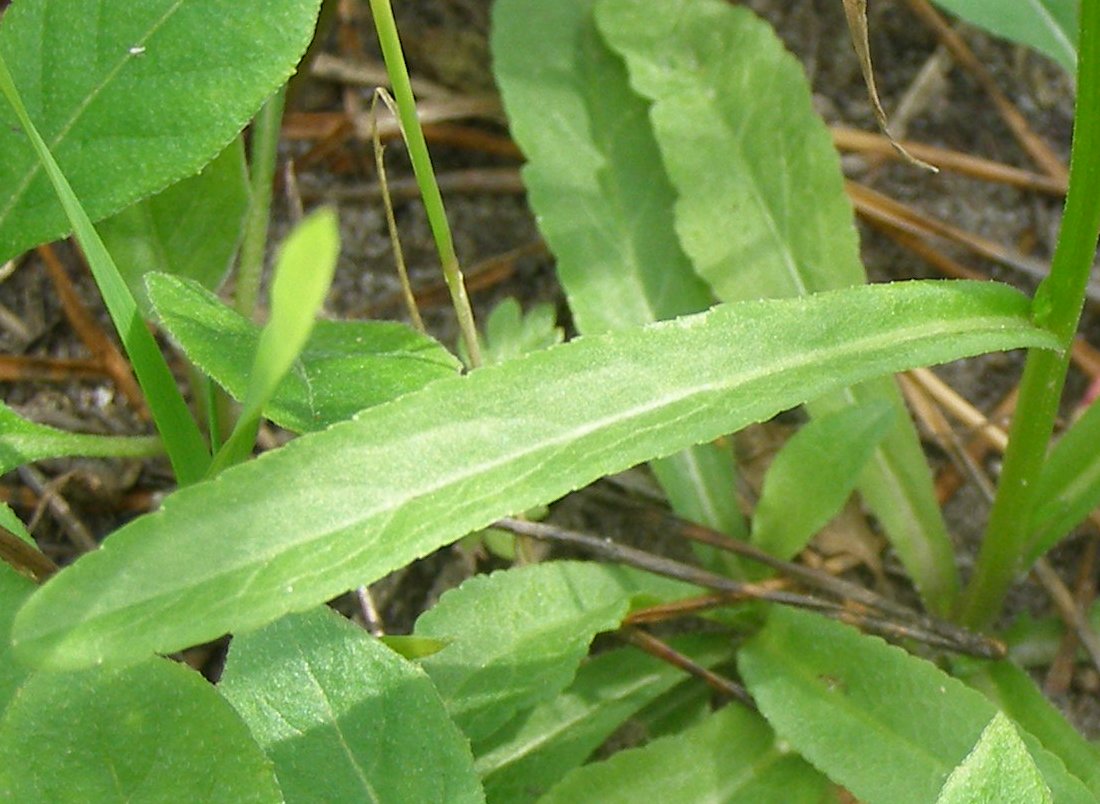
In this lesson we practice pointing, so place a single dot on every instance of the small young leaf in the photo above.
(343, 717)
(509, 332)
(156, 731)
(345, 366)
(999, 770)
(343, 507)
(1049, 26)
(190, 230)
(888, 726)
(730, 756)
(813, 474)
(532, 753)
(517, 636)
(133, 97)
(23, 442)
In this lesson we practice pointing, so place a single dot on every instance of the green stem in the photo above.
(1057, 307)
(265, 144)
(425, 175)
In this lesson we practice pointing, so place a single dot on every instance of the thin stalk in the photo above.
(425, 175)
(1057, 307)
(183, 442)
(265, 145)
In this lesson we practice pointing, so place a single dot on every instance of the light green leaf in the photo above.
(303, 273)
(510, 332)
(516, 637)
(23, 442)
(603, 204)
(1069, 485)
(346, 366)
(886, 725)
(762, 213)
(813, 474)
(343, 717)
(732, 756)
(998, 771)
(14, 524)
(14, 590)
(156, 731)
(133, 97)
(532, 753)
(337, 509)
(1049, 26)
(1013, 691)
(191, 229)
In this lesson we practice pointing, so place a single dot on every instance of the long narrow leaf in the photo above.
(337, 509)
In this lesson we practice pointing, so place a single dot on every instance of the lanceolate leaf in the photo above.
(132, 97)
(337, 509)
(1046, 25)
(604, 204)
(346, 366)
(762, 213)
(888, 726)
(343, 717)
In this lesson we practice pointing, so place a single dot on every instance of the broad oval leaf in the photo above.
(337, 509)
(888, 726)
(133, 96)
(343, 717)
(730, 756)
(1049, 26)
(346, 366)
(156, 731)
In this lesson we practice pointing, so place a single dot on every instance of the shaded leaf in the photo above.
(1049, 26)
(346, 366)
(190, 229)
(884, 724)
(999, 769)
(510, 332)
(333, 510)
(731, 756)
(133, 97)
(343, 717)
(14, 590)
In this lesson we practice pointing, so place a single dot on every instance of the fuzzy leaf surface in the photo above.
(346, 366)
(343, 717)
(155, 731)
(604, 204)
(190, 229)
(999, 769)
(343, 507)
(532, 753)
(516, 637)
(133, 97)
(762, 213)
(888, 726)
(731, 756)
(1049, 26)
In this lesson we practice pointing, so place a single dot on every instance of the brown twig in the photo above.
(666, 653)
(1060, 673)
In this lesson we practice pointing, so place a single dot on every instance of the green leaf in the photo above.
(762, 213)
(346, 366)
(133, 97)
(532, 753)
(303, 273)
(1012, 690)
(884, 724)
(344, 507)
(1049, 26)
(190, 229)
(603, 204)
(14, 590)
(23, 442)
(516, 637)
(731, 756)
(156, 731)
(813, 474)
(1069, 485)
(343, 717)
(510, 333)
(999, 769)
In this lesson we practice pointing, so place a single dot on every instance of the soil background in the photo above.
(497, 240)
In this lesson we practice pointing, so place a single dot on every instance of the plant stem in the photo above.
(265, 144)
(425, 175)
(1057, 307)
